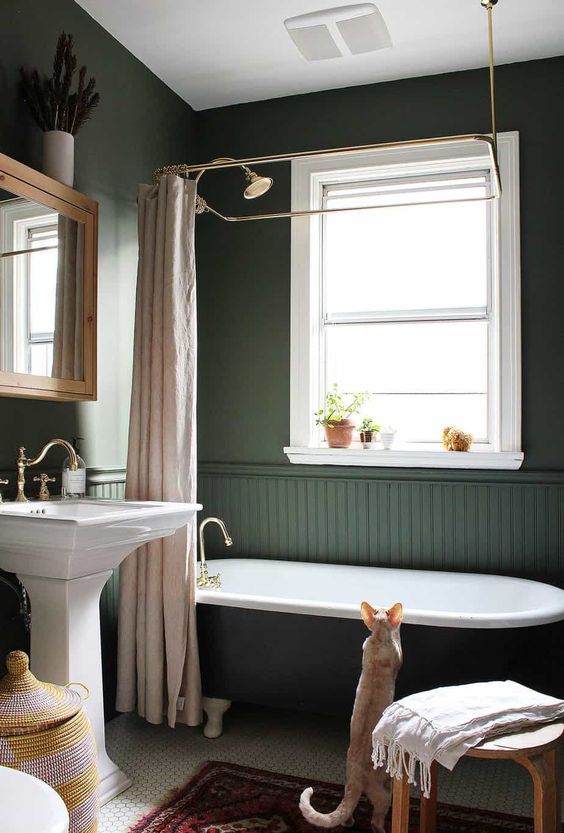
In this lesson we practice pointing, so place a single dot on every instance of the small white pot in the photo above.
(58, 156)
(387, 439)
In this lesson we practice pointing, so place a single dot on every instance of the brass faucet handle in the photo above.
(44, 493)
(3, 483)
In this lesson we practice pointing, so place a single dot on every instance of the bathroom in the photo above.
(161, 106)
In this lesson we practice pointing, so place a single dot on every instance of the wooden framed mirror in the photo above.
(48, 287)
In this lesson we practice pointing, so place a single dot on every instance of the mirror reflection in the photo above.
(41, 290)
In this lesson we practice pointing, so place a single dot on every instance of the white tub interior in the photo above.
(461, 600)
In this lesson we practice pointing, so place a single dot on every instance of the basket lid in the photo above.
(26, 705)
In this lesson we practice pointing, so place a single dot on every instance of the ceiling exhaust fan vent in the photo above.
(332, 33)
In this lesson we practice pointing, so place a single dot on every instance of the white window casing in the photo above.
(309, 177)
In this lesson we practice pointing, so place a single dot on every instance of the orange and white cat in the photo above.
(381, 661)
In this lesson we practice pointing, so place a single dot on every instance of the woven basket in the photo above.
(45, 732)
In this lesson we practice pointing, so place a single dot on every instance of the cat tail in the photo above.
(341, 815)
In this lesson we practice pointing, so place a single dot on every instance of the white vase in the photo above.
(58, 155)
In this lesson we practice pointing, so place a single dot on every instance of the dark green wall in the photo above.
(140, 124)
(244, 270)
(505, 522)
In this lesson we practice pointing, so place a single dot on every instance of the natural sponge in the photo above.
(456, 440)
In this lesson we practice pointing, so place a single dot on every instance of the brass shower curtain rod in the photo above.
(490, 141)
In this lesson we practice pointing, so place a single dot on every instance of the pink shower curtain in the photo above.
(157, 645)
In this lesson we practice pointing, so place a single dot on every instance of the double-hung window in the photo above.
(412, 299)
(27, 287)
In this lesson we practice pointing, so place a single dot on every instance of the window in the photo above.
(28, 284)
(415, 304)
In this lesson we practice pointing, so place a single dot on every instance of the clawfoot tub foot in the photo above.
(214, 709)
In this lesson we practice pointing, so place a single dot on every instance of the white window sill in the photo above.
(398, 457)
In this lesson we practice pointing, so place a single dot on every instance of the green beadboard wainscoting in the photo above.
(448, 521)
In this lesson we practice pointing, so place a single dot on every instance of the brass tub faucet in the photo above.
(205, 581)
(24, 462)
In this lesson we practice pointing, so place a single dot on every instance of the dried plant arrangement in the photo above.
(52, 104)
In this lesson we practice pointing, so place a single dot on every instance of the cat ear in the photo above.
(395, 615)
(367, 612)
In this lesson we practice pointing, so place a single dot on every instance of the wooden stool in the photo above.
(536, 750)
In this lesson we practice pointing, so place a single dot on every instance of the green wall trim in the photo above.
(520, 478)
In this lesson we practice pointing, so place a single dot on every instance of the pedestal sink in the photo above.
(64, 552)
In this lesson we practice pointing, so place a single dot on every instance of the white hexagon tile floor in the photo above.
(159, 759)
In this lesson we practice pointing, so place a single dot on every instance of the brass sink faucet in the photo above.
(24, 462)
(204, 580)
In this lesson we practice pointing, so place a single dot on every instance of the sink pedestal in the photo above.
(64, 552)
(65, 647)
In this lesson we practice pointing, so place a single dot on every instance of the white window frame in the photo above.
(309, 176)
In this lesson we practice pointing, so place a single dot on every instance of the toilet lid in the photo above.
(26, 804)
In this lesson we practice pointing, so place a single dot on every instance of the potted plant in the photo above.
(336, 416)
(368, 431)
(59, 112)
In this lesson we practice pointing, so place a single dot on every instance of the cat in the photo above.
(381, 661)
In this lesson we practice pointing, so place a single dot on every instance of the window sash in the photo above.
(400, 316)
(423, 185)
(487, 440)
(41, 233)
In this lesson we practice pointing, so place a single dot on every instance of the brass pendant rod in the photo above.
(489, 9)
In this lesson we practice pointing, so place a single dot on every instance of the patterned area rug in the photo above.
(226, 798)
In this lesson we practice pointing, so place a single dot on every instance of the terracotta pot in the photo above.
(339, 434)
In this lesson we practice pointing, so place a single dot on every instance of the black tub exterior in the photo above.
(312, 663)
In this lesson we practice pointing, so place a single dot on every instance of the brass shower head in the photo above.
(257, 185)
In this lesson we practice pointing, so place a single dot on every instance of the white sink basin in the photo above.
(64, 552)
(71, 538)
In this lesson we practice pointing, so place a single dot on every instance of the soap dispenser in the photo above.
(74, 482)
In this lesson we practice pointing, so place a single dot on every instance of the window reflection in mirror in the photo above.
(41, 290)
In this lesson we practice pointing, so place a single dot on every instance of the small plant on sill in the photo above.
(336, 416)
(368, 431)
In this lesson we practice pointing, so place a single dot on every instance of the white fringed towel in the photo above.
(442, 724)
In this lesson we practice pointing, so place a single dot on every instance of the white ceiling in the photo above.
(216, 52)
